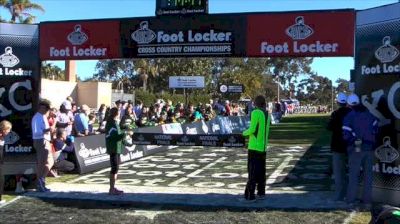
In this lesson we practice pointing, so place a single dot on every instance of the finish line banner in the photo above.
(284, 34)
(203, 35)
(301, 34)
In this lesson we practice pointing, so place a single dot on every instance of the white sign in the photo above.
(186, 82)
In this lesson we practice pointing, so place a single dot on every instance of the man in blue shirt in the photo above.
(82, 121)
(359, 130)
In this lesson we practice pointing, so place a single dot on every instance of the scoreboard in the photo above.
(174, 7)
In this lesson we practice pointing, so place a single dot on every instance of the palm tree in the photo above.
(20, 10)
(147, 69)
(50, 71)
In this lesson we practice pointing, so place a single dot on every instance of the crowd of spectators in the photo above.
(69, 121)
(164, 112)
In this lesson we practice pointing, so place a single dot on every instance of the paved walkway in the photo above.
(192, 197)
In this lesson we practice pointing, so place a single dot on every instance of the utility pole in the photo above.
(279, 89)
(278, 81)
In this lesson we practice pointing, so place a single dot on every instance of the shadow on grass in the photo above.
(313, 169)
(310, 201)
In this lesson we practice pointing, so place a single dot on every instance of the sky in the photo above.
(332, 68)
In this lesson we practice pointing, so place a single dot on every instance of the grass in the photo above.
(301, 130)
(62, 178)
(8, 197)
(99, 213)
(361, 218)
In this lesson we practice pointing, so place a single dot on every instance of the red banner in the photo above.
(301, 34)
(80, 40)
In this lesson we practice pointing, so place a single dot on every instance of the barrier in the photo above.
(91, 153)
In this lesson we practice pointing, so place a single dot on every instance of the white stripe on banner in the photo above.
(110, 131)
(347, 128)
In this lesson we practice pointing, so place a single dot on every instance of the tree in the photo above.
(343, 85)
(256, 74)
(50, 71)
(315, 89)
(20, 10)
(288, 70)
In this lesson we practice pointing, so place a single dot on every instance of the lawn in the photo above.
(100, 213)
(301, 130)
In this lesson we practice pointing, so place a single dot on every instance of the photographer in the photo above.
(63, 147)
(5, 128)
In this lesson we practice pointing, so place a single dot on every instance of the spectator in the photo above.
(129, 119)
(122, 110)
(52, 121)
(339, 147)
(101, 113)
(62, 150)
(114, 138)
(228, 110)
(42, 144)
(359, 130)
(74, 109)
(69, 98)
(92, 121)
(138, 109)
(5, 128)
(64, 120)
(82, 121)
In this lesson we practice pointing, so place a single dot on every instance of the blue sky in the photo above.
(92, 9)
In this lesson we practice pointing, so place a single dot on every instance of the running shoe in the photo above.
(115, 191)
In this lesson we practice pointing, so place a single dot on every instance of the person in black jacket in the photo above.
(339, 147)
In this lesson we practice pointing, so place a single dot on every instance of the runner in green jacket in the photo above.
(114, 138)
(258, 139)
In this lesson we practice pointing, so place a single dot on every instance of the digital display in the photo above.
(173, 7)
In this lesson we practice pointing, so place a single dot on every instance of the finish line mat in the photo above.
(288, 169)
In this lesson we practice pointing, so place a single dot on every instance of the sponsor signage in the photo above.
(302, 34)
(376, 78)
(231, 88)
(202, 35)
(91, 153)
(186, 82)
(19, 84)
(79, 40)
(232, 140)
(181, 7)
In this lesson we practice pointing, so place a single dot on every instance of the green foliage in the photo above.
(256, 74)
(150, 98)
(20, 10)
(343, 85)
(50, 71)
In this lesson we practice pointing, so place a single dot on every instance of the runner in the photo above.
(258, 133)
(114, 138)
